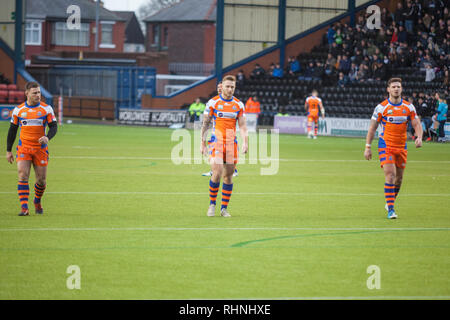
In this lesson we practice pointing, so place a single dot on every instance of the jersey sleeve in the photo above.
(412, 112)
(50, 114)
(377, 113)
(15, 116)
(241, 109)
(209, 109)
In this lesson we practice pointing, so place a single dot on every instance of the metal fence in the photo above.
(200, 69)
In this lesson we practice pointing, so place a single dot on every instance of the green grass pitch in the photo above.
(135, 223)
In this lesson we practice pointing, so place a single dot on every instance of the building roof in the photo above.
(187, 11)
(57, 10)
(133, 31)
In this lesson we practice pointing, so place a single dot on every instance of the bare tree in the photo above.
(153, 6)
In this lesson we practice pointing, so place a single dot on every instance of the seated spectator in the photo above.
(253, 105)
(277, 71)
(309, 72)
(240, 78)
(318, 71)
(345, 64)
(258, 72)
(353, 72)
(196, 109)
(343, 80)
(282, 112)
(293, 66)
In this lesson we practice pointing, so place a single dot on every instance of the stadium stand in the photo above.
(10, 93)
(415, 48)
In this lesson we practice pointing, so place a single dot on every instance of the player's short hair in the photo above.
(229, 78)
(314, 90)
(392, 80)
(31, 84)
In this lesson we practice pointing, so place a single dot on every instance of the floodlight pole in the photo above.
(97, 9)
(219, 39)
(282, 31)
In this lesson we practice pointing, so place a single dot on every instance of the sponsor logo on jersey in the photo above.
(228, 115)
(32, 122)
(397, 120)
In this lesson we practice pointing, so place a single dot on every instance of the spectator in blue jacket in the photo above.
(441, 117)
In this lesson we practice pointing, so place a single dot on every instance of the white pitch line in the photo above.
(223, 229)
(239, 193)
(249, 160)
(342, 298)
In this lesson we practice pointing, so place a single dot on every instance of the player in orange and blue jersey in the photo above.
(224, 111)
(393, 115)
(312, 105)
(32, 117)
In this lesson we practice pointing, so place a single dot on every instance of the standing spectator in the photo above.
(410, 16)
(430, 74)
(427, 21)
(402, 35)
(425, 112)
(398, 14)
(441, 117)
(330, 34)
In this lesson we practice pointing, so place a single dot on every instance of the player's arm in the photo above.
(322, 109)
(415, 123)
(244, 133)
(306, 105)
(370, 134)
(205, 125)
(12, 133)
(52, 129)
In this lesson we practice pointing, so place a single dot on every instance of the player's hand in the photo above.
(9, 157)
(368, 153)
(203, 148)
(43, 140)
(418, 142)
(244, 148)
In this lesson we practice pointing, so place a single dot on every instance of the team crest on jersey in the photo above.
(23, 115)
(39, 113)
(220, 107)
(234, 107)
(390, 112)
(404, 111)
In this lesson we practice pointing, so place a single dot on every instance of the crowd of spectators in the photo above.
(415, 35)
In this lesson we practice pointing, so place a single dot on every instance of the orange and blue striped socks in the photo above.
(316, 128)
(227, 189)
(389, 194)
(397, 190)
(213, 190)
(38, 192)
(23, 191)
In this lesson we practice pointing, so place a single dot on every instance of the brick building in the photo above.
(187, 31)
(48, 27)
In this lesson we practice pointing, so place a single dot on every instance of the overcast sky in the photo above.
(123, 5)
